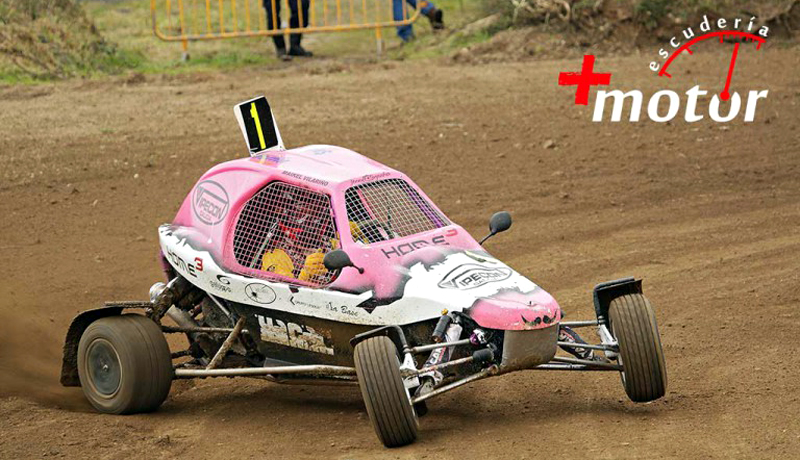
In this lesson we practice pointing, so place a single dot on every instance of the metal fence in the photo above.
(193, 20)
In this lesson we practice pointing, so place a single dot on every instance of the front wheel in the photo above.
(633, 323)
(124, 365)
(385, 395)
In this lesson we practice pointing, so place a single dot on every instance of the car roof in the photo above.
(324, 165)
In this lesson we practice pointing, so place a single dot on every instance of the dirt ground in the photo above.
(708, 214)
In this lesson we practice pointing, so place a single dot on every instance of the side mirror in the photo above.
(500, 222)
(337, 260)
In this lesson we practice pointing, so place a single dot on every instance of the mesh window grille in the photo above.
(286, 230)
(388, 209)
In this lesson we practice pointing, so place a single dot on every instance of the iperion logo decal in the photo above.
(665, 105)
(210, 202)
(469, 276)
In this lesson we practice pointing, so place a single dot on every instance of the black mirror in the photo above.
(337, 260)
(500, 222)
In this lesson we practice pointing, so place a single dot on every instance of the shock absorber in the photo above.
(178, 292)
(447, 330)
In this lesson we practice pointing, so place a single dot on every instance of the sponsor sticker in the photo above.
(260, 293)
(210, 202)
(470, 276)
(292, 335)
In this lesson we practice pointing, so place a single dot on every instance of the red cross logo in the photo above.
(584, 79)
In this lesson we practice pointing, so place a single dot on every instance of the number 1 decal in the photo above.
(254, 114)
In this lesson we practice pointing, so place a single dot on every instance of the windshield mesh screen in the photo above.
(387, 209)
(286, 230)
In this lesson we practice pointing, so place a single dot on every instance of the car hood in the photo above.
(492, 293)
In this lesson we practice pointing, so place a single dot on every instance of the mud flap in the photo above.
(69, 367)
(604, 293)
(395, 333)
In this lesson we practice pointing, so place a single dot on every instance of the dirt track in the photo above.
(707, 214)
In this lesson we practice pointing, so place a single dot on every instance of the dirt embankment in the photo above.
(552, 29)
(706, 213)
(50, 39)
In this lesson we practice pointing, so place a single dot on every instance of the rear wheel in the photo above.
(124, 364)
(387, 400)
(633, 323)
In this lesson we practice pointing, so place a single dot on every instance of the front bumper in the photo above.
(528, 348)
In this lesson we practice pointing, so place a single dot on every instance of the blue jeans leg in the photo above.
(404, 32)
(407, 32)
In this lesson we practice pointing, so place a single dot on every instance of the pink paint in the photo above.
(513, 311)
(212, 208)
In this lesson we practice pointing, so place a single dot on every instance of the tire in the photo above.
(124, 365)
(633, 323)
(387, 400)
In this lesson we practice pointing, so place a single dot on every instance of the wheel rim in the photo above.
(105, 370)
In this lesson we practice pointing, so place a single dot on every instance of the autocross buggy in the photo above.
(317, 265)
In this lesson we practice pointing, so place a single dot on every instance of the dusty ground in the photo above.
(707, 214)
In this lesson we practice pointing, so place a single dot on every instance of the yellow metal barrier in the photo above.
(193, 20)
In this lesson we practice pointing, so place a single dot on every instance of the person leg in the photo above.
(273, 23)
(434, 15)
(406, 32)
(299, 8)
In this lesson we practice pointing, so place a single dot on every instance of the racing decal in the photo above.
(328, 306)
(292, 335)
(407, 248)
(369, 177)
(222, 284)
(470, 276)
(210, 202)
(303, 177)
(186, 267)
(260, 293)
(270, 158)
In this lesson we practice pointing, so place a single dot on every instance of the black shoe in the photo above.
(436, 16)
(299, 51)
(281, 53)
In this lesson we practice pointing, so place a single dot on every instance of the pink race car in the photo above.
(317, 265)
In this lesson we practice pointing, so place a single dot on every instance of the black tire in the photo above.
(633, 323)
(124, 365)
(385, 396)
